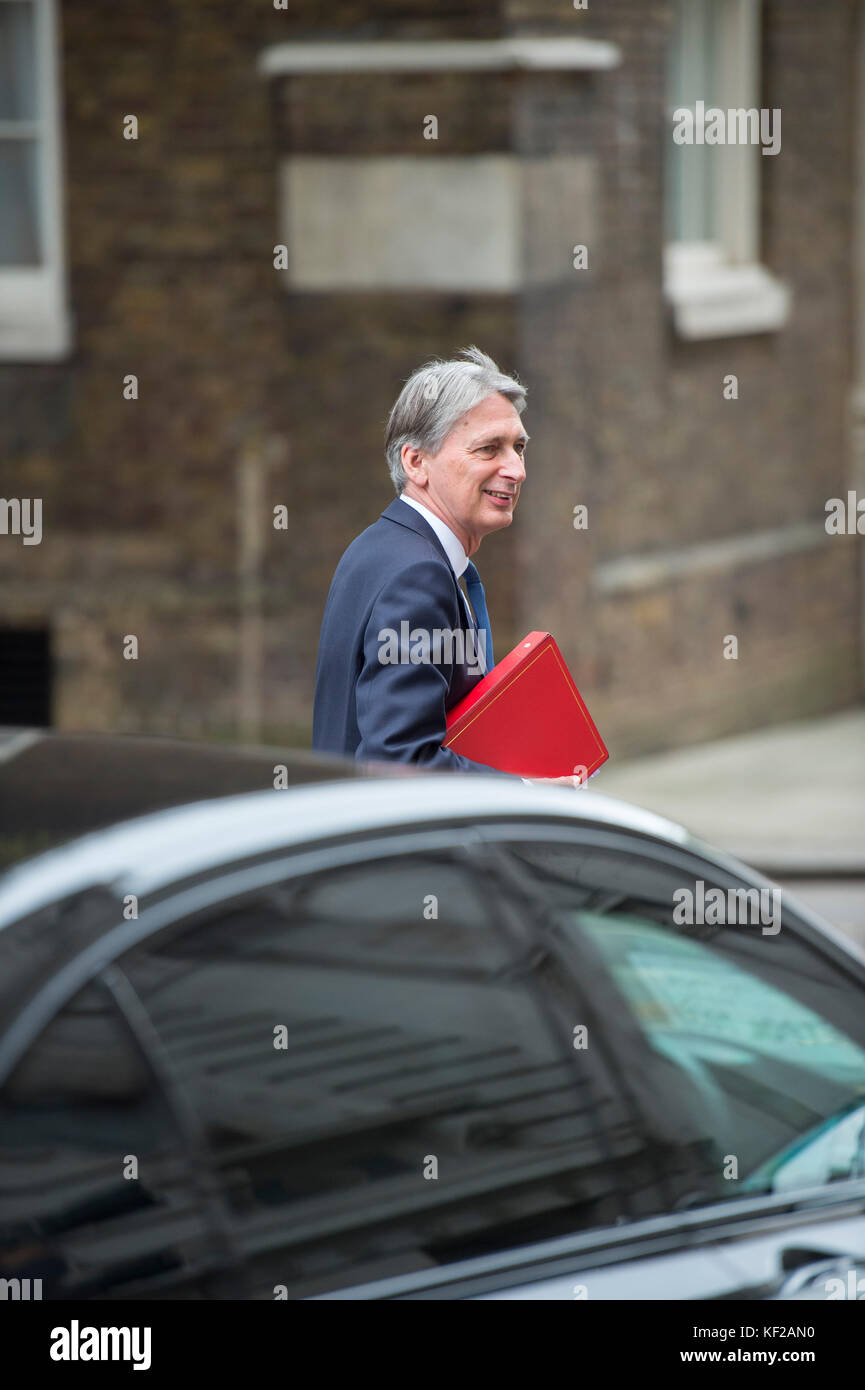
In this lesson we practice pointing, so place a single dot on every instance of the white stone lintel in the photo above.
(446, 55)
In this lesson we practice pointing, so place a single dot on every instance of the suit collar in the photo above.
(407, 516)
(450, 540)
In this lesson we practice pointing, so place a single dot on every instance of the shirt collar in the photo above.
(453, 547)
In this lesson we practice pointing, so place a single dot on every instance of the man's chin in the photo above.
(487, 525)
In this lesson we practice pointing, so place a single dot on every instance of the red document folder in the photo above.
(527, 716)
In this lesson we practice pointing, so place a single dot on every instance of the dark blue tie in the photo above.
(478, 601)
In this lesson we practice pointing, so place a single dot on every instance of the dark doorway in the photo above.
(25, 676)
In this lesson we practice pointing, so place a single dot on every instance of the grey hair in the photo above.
(433, 399)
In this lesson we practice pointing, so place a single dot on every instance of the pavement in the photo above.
(790, 797)
(789, 800)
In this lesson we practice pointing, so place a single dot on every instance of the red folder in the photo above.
(527, 716)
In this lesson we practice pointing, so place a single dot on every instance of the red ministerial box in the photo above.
(526, 716)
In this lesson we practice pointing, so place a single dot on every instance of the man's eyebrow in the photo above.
(497, 439)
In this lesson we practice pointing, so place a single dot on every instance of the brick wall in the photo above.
(170, 242)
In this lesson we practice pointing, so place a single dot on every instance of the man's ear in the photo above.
(414, 464)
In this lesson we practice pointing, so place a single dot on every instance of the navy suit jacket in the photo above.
(394, 571)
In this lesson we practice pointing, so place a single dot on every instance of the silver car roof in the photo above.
(150, 852)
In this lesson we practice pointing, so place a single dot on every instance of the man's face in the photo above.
(474, 480)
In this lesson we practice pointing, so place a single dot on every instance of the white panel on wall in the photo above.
(401, 222)
(473, 223)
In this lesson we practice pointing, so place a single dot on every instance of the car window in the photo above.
(98, 1196)
(379, 1085)
(764, 1031)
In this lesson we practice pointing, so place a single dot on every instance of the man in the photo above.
(401, 643)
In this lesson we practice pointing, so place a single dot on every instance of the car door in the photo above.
(103, 1192)
(383, 1078)
(761, 1020)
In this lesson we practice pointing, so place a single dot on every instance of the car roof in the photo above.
(149, 853)
(56, 786)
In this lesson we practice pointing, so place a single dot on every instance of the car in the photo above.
(276, 1026)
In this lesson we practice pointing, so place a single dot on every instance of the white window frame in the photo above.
(718, 288)
(34, 316)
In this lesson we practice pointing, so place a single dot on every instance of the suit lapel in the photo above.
(402, 515)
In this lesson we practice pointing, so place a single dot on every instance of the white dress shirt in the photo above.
(452, 545)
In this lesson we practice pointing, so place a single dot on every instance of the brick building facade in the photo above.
(257, 389)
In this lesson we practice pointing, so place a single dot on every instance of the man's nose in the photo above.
(514, 466)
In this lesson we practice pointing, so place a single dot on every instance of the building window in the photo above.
(33, 312)
(714, 160)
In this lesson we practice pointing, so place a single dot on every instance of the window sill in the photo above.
(34, 321)
(712, 299)
(46, 340)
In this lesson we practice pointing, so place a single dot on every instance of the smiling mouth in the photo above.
(502, 496)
